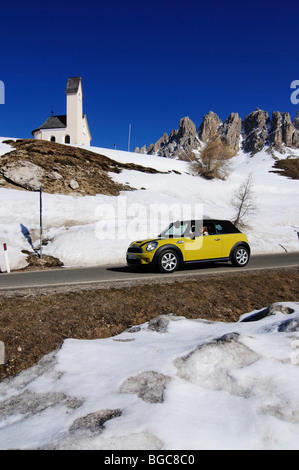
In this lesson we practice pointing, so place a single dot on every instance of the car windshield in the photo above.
(182, 229)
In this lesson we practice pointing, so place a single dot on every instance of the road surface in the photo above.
(119, 273)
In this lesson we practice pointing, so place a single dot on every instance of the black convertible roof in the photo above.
(227, 225)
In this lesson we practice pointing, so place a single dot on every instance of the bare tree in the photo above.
(243, 202)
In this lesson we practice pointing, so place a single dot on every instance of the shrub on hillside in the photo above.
(213, 161)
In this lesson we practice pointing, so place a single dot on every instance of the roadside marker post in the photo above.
(6, 257)
(2, 353)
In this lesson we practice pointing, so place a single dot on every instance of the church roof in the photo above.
(73, 84)
(53, 122)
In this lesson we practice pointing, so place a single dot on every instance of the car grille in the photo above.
(134, 261)
(134, 249)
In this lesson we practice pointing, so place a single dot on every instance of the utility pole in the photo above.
(40, 220)
(129, 138)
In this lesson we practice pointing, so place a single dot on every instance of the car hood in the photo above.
(145, 242)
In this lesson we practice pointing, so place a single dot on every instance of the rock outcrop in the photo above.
(209, 127)
(296, 122)
(231, 130)
(255, 131)
(283, 131)
(24, 174)
(180, 142)
(252, 135)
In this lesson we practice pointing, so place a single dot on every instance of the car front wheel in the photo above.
(240, 256)
(168, 262)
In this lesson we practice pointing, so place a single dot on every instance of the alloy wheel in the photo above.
(169, 262)
(241, 256)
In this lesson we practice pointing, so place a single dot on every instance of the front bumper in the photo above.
(138, 259)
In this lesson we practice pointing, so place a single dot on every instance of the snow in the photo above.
(172, 383)
(77, 227)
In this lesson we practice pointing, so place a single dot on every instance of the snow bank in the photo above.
(86, 231)
(171, 383)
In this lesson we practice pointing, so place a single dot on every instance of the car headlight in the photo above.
(151, 246)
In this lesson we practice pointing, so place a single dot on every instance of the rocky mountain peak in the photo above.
(231, 131)
(283, 131)
(180, 142)
(256, 131)
(209, 127)
(296, 122)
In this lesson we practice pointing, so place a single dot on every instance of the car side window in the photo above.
(211, 228)
(220, 229)
(193, 229)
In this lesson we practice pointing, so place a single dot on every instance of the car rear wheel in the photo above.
(240, 256)
(168, 261)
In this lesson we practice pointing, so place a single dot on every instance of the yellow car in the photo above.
(191, 241)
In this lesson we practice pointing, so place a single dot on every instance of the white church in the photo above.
(71, 128)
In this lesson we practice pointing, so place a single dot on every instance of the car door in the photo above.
(203, 247)
(224, 229)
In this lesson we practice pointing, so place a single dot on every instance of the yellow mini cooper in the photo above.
(191, 241)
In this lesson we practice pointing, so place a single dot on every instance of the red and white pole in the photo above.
(6, 257)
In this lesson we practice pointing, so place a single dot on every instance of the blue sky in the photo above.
(147, 64)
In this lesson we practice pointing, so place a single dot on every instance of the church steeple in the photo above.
(71, 128)
(74, 109)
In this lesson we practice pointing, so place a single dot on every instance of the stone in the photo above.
(23, 173)
(209, 365)
(159, 324)
(148, 385)
(95, 421)
(55, 175)
(74, 184)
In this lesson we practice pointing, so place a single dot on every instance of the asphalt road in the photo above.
(119, 273)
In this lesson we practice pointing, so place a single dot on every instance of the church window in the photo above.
(53, 138)
(67, 139)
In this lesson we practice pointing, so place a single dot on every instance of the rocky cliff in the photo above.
(252, 134)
